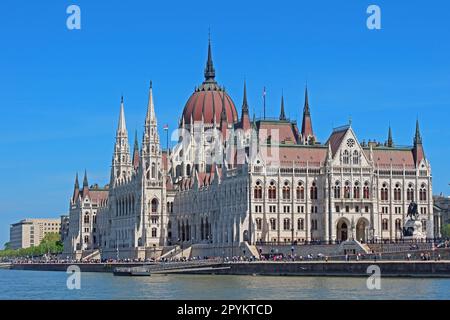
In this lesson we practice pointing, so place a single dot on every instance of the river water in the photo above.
(18, 284)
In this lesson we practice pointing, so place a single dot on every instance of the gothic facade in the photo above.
(231, 180)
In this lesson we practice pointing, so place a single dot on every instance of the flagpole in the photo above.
(264, 98)
(166, 127)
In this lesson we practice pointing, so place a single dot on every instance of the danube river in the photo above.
(17, 284)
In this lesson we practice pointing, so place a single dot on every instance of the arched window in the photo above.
(347, 190)
(346, 157)
(398, 224)
(154, 232)
(385, 224)
(300, 224)
(337, 190)
(286, 191)
(313, 191)
(258, 223)
(153, 170)
(366, 192)
(355, 157)
(147, 166)
(423, 192)
(154, 205)
(86, 239)
(384, 192)
(286, 224)
(397, 192)
(410, 192)
(258, 190)
(86, 217)
(424, 224)
(300, 191)
(272, 191)
(273, 224)
(356, 189)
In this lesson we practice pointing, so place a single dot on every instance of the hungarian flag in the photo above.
(166, 127)
(264, 92)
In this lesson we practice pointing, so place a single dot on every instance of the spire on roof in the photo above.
(306, 105)
(390, 141)
(136, 151)
(307, 129)
(417, 137)
(209, 70)
(121, 126)
(223, 114)
(77, 185)
(244, 101)
(150, 107)
(85, 180)
(282, 114)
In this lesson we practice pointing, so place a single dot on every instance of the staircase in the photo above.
(91, 255)
(169, 254)
(251, 249)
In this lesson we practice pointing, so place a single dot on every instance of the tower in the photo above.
(121, 162)
(151, 151)
(153, 197)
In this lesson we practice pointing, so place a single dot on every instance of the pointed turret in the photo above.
(244, 100)
(136, 152)
(307, 130)
(121, 127)
(85, 179)
(245, 120)
(150, 107)
(418, 152)
(85, 190)
(76, 189)
(151, 149)
(210, 73)
(282, 114)
(417, 137)
(223, 118)
(121, 162)
(390, 141)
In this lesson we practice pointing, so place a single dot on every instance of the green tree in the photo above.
(51, 243)
(7, 245)
(446, 230)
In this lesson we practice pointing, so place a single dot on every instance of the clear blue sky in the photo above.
(60, 89)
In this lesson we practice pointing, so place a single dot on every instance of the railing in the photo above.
(334, 242)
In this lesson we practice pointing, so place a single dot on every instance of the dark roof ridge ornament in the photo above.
(210, 73)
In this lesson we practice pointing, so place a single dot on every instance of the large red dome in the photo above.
(207, 105)
(207, 101)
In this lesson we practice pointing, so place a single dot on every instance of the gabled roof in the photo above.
(336, 138)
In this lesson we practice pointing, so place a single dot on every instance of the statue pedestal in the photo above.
(412, 230)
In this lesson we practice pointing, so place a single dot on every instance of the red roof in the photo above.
(298, 155)
(385, 157)
(336, 138)
(279, 131)
(209, 103)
